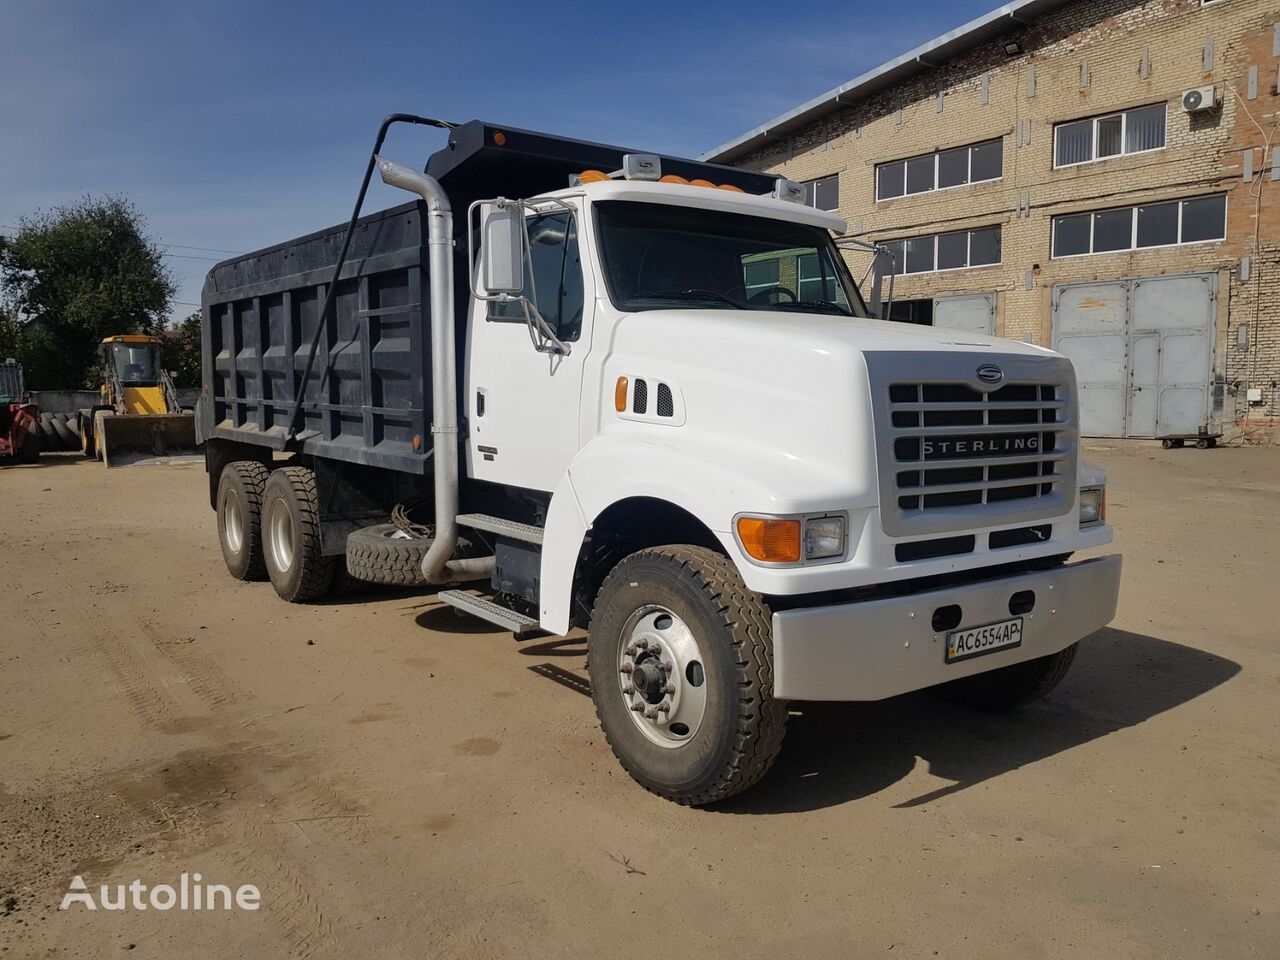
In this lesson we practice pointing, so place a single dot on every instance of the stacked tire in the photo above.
(58, 431)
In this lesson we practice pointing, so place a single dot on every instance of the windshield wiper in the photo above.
(686, 295)
(825, 305)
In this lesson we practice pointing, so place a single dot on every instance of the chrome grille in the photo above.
(957, 455)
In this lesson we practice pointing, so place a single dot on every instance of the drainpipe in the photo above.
(438, 566)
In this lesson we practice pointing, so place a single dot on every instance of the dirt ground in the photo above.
(397, 780)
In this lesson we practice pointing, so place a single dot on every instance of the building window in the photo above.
(824, 193)
(976, 163)
(1112, 135)
(1199, 220)
(760, 275)
(954, 250)
(912, 311)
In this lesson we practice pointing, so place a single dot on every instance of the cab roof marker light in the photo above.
(784, 189)
(641, 166)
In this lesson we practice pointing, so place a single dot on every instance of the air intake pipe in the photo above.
(439, 566)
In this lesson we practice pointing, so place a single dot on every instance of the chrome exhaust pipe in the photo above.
(439, 566)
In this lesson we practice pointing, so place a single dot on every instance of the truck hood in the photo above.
(788, 396)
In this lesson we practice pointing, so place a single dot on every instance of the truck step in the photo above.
(518, 623)
(503, 528)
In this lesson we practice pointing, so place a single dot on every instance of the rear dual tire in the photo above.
(239, 507)
(291, 537)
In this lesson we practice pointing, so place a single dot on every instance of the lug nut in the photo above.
(626, 668)
(669, 688)
(642, 644)
(668, 666)
(664, 707)
(628, 689)
(637, 707)
(651, 713)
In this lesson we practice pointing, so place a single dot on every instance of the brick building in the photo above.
(1047, 173)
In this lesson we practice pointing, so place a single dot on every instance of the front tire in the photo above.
(681, 663)
(1008, 688)
(240, 493)
(291, 536)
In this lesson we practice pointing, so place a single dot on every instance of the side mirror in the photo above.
(502, 246)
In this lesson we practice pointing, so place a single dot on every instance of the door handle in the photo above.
(479, 403)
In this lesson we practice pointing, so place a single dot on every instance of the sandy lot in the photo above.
(400, 781)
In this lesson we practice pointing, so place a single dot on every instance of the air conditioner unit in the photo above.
(1198, 99)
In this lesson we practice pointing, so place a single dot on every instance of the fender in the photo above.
(708, 477)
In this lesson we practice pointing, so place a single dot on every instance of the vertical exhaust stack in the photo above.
(439, 566)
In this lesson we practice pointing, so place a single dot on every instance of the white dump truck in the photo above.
(577, 386)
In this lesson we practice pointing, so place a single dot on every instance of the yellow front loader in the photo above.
(138, 410)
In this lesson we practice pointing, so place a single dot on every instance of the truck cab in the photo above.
(682, 426)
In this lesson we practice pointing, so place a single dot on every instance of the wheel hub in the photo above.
(280, 529)
(233, 522)
(661, 674)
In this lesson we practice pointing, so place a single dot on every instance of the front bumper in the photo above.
(880, 648)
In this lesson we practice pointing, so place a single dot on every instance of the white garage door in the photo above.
(972, 313)
(1143, 352)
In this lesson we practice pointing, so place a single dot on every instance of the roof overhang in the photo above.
(927, 56)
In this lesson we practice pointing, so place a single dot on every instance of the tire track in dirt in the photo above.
(149, 690)
(242, 801)
(204, 677)
(287, 900)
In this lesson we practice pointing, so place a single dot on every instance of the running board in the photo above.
(503, 528)
(518, 623)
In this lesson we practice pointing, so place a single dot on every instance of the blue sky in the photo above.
(232, 125)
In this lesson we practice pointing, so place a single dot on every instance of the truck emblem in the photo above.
(990, 373)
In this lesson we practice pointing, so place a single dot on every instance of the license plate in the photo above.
(976, 641)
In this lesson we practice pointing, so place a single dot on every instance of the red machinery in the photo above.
(18, 438)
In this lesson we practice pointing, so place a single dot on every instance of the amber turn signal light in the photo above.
(772, 541)
(620, 394)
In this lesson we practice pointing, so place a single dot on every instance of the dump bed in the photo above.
(369, 394)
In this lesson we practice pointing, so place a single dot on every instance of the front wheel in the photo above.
(291, 536)
(681, 663)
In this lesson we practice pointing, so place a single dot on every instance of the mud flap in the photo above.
(156, 435)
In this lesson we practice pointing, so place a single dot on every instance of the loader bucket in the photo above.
(156, 435)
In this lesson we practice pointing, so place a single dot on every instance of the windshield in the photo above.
(657, 255)
(134, 362)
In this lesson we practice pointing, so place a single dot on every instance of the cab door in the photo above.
(522, 404)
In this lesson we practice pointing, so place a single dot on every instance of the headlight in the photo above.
(1093, 506)
(791, 539)
(823, 537)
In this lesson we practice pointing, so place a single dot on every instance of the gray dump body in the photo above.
(368, 399)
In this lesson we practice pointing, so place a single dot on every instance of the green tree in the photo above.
(8, 330)
(180, 352)
(82, 272)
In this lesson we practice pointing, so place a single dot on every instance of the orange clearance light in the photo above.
(673, 178)
(620, 394)
(773, 541)
(701, 183)
(730, 187)
(592, 176)
(500, 138)
(417, 441)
